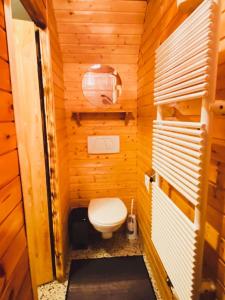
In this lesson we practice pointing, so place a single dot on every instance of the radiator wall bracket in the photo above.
(218, 107)
(208, 286)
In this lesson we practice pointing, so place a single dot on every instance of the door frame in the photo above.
(42, 88)
(48, 84)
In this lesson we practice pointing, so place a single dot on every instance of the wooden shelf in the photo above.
(125, 115)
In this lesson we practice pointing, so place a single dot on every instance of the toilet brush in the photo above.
(132, 224)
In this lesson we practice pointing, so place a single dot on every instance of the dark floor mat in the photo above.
(117, 278)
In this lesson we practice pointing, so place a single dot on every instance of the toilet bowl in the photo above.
(107, 215)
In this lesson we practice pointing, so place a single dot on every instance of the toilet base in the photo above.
(106, 235)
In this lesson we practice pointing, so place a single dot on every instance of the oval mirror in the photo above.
(101, 85)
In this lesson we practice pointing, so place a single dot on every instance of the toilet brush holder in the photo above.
(131, 227)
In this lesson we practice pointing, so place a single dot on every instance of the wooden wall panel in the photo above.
(106, 32)
(62, 198)
(13, 244)
(94, 176)
(161, 20)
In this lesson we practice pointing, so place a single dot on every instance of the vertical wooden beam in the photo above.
(53, 154)
(32, 157)
(25, 87)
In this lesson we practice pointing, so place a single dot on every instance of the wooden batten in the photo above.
(57, 216)
(57, 140)
(124, 115)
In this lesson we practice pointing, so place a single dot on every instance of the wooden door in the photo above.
(31, 150)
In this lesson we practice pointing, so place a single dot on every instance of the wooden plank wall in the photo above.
(106, 32)
(13, 244)
(61, 140)
(162, 19)
(215, 258)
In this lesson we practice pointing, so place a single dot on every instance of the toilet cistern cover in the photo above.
(107, 211)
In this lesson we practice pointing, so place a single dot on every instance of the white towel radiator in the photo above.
(186, 69)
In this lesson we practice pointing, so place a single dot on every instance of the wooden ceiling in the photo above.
(100, 31)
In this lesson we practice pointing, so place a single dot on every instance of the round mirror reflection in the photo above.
(101, 85)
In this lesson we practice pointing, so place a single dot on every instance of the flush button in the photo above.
(103, 144)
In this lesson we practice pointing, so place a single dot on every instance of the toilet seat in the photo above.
(107, 211)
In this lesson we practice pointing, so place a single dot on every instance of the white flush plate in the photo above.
(103, 144)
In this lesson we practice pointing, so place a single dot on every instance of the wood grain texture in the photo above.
(161, 20)
(6, 107)
(57, 141)
(2, 15)
(10, 197)
(12, 230)
(5, 84)
(216, 202)
(32, 161)
(106, 32)
(10, 258)
(3, 49)
(96, 24)
(98, 5)
(18, 277)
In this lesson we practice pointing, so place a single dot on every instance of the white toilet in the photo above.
(107, 215)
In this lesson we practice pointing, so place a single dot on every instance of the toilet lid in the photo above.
(107, 211)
